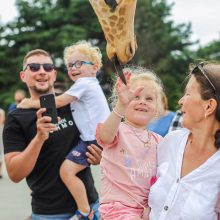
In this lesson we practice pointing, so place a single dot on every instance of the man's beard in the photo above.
(41, 91)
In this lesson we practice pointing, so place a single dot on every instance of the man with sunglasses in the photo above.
(35, 148)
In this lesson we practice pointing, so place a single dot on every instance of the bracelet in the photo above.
(118, 114)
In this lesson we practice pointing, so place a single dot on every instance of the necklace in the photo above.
(147, 142)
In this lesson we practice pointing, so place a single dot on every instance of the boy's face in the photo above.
(87, 68)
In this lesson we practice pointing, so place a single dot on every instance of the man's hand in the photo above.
(44, 127)
(94, 155)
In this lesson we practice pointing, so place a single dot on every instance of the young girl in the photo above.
(128, 164)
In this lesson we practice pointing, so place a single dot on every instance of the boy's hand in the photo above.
(94, 155)
(29, 103)
(24, 103)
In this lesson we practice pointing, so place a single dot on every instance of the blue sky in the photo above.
(204, 15)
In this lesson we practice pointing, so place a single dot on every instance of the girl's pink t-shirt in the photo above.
(128, 168)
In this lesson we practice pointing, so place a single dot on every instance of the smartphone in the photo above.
(48, 101)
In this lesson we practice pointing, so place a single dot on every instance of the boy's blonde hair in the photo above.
(84, 47)
(144, 75)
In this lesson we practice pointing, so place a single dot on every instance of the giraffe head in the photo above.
(118, 26)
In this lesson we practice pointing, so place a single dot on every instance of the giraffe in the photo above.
(117, 21)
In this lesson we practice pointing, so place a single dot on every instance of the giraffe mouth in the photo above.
(131, 48)
(118, 69)
(112, 4)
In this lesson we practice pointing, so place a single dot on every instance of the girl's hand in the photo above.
(125, 94)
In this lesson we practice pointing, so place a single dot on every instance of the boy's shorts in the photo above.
(78, 153)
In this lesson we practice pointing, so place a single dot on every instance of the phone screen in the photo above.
(48, 101)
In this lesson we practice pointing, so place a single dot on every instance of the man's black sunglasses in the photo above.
(34, 67)
(199, 68)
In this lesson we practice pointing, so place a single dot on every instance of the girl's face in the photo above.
(192, 105)
(86, 70)
(142, 109)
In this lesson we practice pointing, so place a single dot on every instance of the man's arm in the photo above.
(20, 164)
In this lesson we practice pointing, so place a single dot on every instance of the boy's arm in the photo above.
(29, 103)
(60, 100)
(64, 99)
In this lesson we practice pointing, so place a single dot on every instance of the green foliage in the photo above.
(209, 52)
(54, 24)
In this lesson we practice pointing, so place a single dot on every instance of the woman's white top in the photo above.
(192, 197)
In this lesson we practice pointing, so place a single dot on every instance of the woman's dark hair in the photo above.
(207, 74)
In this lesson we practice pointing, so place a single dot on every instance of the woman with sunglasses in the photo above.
(188, 177)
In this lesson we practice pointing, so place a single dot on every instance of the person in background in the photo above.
(18, 97)
(162, 124)
(35, 148)
(176, 123)
(128, 164)
(2, 121)
(188, 179)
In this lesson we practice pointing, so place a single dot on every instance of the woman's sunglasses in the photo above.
(34, 67)
(199, 68)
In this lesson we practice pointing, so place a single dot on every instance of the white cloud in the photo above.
(7, 10)
(204, 16)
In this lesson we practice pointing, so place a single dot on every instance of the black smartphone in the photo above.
(48, 101)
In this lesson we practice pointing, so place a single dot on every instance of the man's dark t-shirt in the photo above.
(49, 194)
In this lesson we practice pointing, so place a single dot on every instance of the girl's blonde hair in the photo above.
(144, 75)
(86, 48)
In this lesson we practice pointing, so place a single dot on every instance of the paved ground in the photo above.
(15, 198)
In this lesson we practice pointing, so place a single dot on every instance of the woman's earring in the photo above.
(205, 116)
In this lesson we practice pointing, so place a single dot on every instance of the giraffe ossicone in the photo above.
(118, 28)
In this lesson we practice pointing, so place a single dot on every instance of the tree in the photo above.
(163, 46)
(47, 24)
(210, 51)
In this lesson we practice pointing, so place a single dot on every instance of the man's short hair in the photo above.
(35, 52)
